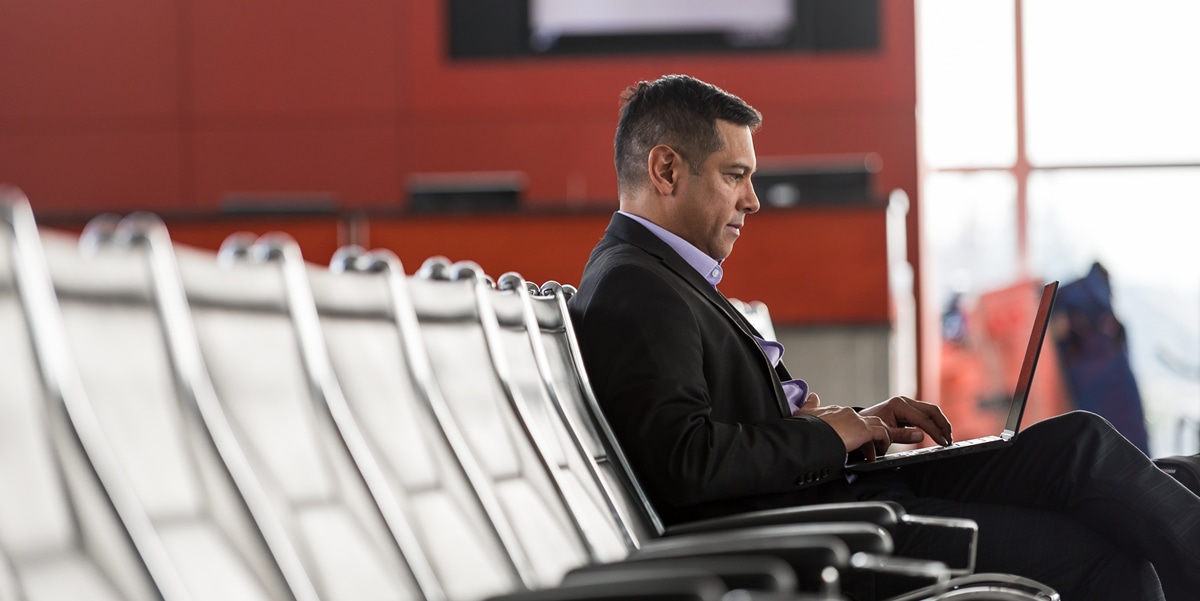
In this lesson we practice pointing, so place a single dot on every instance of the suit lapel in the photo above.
(634, 233)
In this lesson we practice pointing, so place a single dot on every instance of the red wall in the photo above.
(151, 103)
(167, 106)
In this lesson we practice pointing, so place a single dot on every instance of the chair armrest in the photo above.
(883, 576)
(985, 586)
(673, 584)
(856, 555)
(814, 558)
(832, 541)
(760, 573)
(957, 537)
(957, 540)
(875, 512)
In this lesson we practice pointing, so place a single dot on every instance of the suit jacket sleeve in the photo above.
(654, 357)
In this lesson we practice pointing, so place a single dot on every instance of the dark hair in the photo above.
(676, 110)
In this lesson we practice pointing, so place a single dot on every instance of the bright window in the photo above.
(1109, 171)
(1112, 82)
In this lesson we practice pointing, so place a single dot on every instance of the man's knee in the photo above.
(1084, 421)
(1076, 427)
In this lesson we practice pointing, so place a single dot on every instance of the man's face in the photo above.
(710, 207)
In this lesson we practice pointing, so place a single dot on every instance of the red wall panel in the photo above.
(275, 58)
(354, 163)
(68, 62)
(93, 172)
(569, 161)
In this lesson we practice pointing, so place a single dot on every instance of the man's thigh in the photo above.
(1068, 556)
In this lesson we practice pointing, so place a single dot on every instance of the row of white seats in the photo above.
(179, 424)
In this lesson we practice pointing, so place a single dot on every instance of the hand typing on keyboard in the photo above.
(873, 430)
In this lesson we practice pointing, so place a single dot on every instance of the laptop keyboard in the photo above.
(958, 445)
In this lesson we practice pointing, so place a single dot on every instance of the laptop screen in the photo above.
(1041, 322)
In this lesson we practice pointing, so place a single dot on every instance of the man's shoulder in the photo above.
(624, 266)
(614, 254)
(624, 278)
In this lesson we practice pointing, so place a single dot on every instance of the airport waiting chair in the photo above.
(246, 353)
(68, 526)
(359, 369)
(114, 294)
(758, 315)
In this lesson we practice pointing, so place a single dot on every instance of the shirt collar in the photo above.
(708, 267)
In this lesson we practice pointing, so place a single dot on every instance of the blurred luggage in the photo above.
(1095, 355)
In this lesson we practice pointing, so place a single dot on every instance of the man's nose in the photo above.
(750, 200)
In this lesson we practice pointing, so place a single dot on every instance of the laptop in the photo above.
(1016, 408)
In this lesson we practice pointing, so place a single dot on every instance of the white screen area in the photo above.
(555, 18)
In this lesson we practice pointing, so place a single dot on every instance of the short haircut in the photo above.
(679, 111)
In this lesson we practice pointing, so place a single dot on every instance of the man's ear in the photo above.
(664, 167)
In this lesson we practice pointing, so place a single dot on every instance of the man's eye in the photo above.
(737, 177)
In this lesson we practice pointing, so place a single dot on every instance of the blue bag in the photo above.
(1095, 356)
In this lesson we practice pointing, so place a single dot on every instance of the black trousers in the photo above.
(1071, 504)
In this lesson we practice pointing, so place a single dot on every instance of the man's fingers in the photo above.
(926, 416)
(881, 437)
(942, 422)
(907, 435)
(811, 404)
(812, 401)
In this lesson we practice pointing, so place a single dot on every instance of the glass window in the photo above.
(1140, 224)
(966, 88)
(1111, 82)
(970, 232)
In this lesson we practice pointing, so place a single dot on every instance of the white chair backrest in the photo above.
(758, 315)
(110, 308)
(34, 505)
(8, 578)
(462, 363)
(259, 377)
(60, 535)
(533, 400)
(391, 500)
(459, 524)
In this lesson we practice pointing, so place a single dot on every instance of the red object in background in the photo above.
(979, 373)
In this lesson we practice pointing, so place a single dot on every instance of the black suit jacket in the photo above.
(698, 409)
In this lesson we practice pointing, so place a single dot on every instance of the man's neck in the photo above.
(708, 267)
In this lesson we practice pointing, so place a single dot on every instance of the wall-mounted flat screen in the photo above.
(529, 28)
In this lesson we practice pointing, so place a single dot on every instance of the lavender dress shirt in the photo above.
(710, 269)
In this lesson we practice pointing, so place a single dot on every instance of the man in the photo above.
(713, 423)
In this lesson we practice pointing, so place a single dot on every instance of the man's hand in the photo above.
(903, 413)
(874, 429)
(869, 434)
